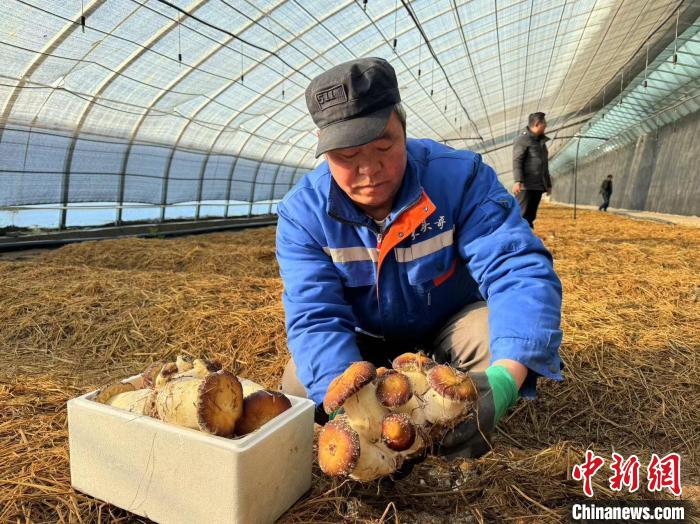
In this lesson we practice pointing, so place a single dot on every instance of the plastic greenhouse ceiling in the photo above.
(148, 107)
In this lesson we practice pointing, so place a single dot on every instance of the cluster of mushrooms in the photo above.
(196, 394)
(390, 415)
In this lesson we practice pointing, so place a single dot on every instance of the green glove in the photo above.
(505, 391)
(497, 393)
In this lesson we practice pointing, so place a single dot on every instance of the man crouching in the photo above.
(394, 245)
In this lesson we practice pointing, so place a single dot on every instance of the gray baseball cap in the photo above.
(351, 103)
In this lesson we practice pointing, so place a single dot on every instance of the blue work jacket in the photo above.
(454, 236)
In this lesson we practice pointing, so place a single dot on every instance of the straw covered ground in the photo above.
(77, 317)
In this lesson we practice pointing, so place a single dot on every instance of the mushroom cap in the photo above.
(260, 407)
(108, 391)
(150, 373)
(398, 432)
(358, 375)
(220, 404)
(393, 389)
(338, 448)
(451, 383)
(381, 371)
(413, 362)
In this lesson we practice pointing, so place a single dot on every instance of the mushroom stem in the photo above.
(414, 408)
(415, 366)
(376, 460)
(419, 382)
(213, 404)
(140, 401)
(365, 413)
(439, 409)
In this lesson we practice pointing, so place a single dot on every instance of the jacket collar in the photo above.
(340, 207)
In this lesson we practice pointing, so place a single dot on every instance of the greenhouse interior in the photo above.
(145, 146)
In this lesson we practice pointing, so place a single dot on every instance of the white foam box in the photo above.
(172, 474)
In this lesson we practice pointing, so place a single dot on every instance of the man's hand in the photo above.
(517, 188)
(498, 391)
(549, 190)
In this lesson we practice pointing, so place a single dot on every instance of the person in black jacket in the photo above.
(606, 192)
(531, 167)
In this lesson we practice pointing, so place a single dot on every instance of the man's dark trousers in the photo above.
(529, 200)
(606, 200)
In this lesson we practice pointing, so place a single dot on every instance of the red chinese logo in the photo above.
(665, 473)
(625, 473)
(661, 473)
(586, 471)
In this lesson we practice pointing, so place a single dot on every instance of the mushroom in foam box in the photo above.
(186, 441)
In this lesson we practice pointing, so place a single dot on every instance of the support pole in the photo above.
(120, 197)
(65, 185)
(578, 142)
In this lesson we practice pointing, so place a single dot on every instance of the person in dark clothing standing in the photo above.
(606, 192)
(531, 167)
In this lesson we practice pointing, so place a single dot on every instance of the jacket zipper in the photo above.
(367, 333)
(380, 237)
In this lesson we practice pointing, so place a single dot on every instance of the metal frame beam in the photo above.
(185, 127)
(137, 127)
(46, 51)
(104, 84)
(252, 102)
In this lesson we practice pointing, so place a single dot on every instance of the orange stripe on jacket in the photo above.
(442, 278)
(406, 224)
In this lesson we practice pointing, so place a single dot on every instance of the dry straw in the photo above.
(82, 315)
